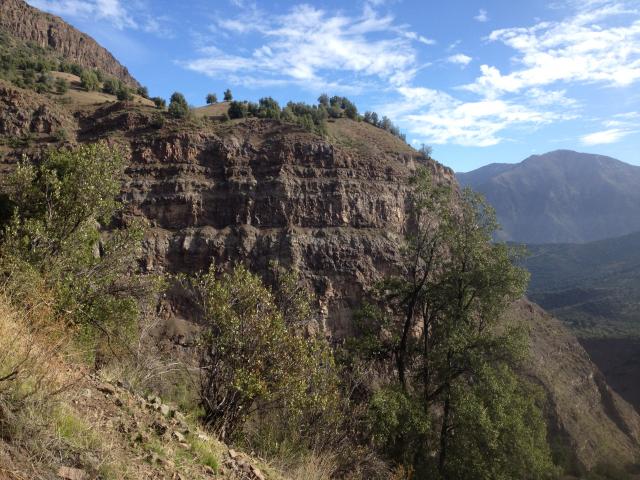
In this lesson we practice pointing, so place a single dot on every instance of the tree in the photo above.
(178, 106)
(159, 102)
(228, 96)
(60, 205)
(426, 150)
(124, 94)
(452, 356)
(268, 108)
(62, 86)
(252, 353)
(111, 86)
(89, 80)
(143, 91)
(237, 109)
(323, 100)
(212, 98)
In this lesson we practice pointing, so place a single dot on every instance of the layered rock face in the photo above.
(48, 31)
(266, 191)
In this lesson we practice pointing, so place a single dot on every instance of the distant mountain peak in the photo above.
(561, 196)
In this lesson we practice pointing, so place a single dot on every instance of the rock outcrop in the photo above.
(50, 32)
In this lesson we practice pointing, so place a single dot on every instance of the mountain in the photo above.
(22, 25)
(561, 197)
(332, 206)
(594, 288)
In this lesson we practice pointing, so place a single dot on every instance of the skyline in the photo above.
(481, 82)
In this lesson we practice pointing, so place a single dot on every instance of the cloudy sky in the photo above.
(480, 81)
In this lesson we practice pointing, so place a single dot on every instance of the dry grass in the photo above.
(215, 110)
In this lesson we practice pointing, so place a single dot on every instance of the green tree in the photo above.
(452, 355)
(89, 80)
(178, 106)
(62, 86)
(55, 235)
(253, 354)
(143, 91)
(228, 96)
(111, 86)
(238, 109)
(323, 100)
(212, 98)
(159, 102)
(124, 94)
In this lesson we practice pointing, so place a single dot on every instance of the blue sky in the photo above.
(480, 81)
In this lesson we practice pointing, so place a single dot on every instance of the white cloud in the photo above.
(577, 50)
(438, 118)
(134, 16)
(611, 135)
(311, 48)
(482, 16)
(459, 59)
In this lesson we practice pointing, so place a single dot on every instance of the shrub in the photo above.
(178, 106)
(124, 94)
(111, 86)
(212, 98)
(253, 354)
(160, 103)
(89, 80)
(143, 91)
(238, 109)
(61, 86)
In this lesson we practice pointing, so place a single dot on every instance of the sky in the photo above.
(479, 81)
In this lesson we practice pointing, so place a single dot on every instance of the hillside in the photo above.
(331, 206)
(594, 288)
(561, 196)
(22, 26)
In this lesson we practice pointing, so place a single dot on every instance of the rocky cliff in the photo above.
(29, 24)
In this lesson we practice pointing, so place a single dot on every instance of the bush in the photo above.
(124, 94)
(212, 98)
(160, 103)
(143, 91)
(238, 110)
(89, 80)
(54, 235)
(111, 86)
(253, 353)
(61, 86)
(178, 106)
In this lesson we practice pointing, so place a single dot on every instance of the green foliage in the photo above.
(437, 325)
(212, 98)
(61, 86)
(238, 109)
(143, 91)
(323, 100)
(89, 80)
(54, 234)
(159, 102)
(124, 94)
(252, 356)
(178, 106)
(228, 96)
(111, 86)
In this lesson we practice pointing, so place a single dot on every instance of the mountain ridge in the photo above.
(28, 24)
(558, 197)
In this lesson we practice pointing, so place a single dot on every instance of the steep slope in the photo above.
(27, 24)
(561, 196)
(599, 426)
(594, 288)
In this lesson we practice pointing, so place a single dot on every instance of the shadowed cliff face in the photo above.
(262, 191)
(48, 31)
